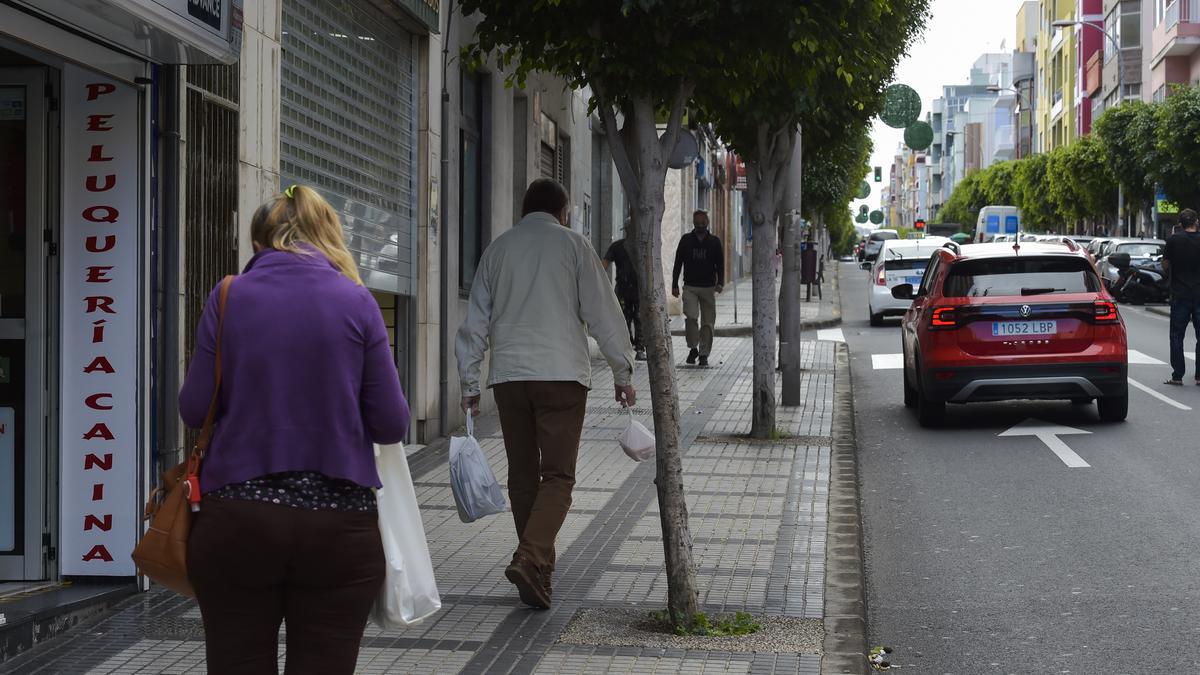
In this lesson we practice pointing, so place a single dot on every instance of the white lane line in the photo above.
(887, 361)
(1162, 397)
(1142, 358)
(831, 335)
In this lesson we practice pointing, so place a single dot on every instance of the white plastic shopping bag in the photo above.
(476, 492)
(636, 440)
(409, 594)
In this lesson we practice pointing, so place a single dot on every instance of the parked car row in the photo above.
(1027, 319)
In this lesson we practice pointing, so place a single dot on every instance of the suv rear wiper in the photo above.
(1040, 291)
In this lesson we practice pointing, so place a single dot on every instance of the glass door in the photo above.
(22, 323)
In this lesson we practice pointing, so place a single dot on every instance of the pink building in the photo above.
(1174, 46)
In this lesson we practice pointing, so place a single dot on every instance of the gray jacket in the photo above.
(538, 292)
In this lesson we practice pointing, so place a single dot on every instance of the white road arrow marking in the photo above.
(887, 361)
(1049, 434)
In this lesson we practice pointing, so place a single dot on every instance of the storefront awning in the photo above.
(163, 31)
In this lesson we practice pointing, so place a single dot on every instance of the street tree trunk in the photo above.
(641, 160)
(790, 281)
(766, 174)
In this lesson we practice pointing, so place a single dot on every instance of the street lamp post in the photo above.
(1021, 98)
(1065, 23)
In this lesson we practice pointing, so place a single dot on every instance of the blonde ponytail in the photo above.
(301, 215)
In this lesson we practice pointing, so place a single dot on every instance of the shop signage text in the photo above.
(100, 318)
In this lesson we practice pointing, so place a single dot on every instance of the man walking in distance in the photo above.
(1182, 261)
(702, 261)
(627, 291)
(538, 291)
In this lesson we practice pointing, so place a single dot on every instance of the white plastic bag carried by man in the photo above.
(476, 491)
(409, 594)
(636, 440)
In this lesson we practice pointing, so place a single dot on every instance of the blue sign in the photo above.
(1011, 225)
(993, 224)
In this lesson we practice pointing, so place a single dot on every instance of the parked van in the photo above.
(994, 221)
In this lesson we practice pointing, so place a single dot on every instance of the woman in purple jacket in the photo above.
(287, 529)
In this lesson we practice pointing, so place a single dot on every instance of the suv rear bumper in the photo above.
(1014, 382)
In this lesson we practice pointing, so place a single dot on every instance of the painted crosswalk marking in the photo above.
(1137, 358)
(887, 361)
(831, 335)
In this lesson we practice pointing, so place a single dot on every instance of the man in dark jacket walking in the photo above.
(627, 292)
(702, 262)
(1182, 261)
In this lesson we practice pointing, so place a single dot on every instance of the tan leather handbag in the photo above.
(162, 552)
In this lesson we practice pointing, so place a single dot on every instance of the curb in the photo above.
(845, 614)
(1161, 311)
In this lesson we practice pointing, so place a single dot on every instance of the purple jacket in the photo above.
(308, 379)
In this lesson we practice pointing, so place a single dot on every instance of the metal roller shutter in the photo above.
(349, 128)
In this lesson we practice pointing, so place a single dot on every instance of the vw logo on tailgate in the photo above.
(1026, 310)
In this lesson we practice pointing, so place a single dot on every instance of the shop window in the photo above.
(470, 175)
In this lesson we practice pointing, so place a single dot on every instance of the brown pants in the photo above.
(542, 423)
(255, 564)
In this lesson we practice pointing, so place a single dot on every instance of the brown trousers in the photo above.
(255, 564)
(542, 423)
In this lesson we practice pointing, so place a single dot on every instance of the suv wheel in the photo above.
(876, 319)
(929, 413)
(1114, 408)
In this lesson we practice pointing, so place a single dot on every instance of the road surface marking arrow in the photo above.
(1049, 434)
(1162, 397)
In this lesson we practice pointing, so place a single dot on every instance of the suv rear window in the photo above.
(906, 264)
(880, 236)
(1020, 276)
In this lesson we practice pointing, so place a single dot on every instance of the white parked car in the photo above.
(900, 261)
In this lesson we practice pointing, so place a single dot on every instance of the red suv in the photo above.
(997, 322)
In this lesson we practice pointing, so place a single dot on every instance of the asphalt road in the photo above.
(989, 554)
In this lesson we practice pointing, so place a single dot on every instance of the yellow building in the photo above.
(1056, 75)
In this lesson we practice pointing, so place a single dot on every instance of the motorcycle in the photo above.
(1139, 284)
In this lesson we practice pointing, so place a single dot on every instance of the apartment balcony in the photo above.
(1178, 34)
(1057, 108)
(1004, 146)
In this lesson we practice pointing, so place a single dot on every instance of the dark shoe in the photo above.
(1175, 381)
(692, 355)
(640, 356)
(704, 360)
(531, 584)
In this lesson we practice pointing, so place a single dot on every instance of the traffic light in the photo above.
(920, 224)
(879, 174)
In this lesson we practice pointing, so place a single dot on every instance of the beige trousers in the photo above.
(700, 309)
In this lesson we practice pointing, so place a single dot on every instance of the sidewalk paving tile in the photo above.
(758, 519)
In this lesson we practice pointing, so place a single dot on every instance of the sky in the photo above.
(957, 33)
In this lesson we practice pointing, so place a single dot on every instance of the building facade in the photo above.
(1057, 69)
(1174, 50)
(100, 135)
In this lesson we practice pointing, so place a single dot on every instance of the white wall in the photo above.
(258, 114)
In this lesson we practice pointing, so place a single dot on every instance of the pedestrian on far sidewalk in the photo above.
(288, 528)
(627, 291)
(538, 292)
(702, 261)
(1181, 260)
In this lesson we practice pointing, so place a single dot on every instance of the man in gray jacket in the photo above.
(538, 292)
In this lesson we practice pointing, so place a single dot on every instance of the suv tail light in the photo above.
(881, 280)
(1105, 312)
(943, 318)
